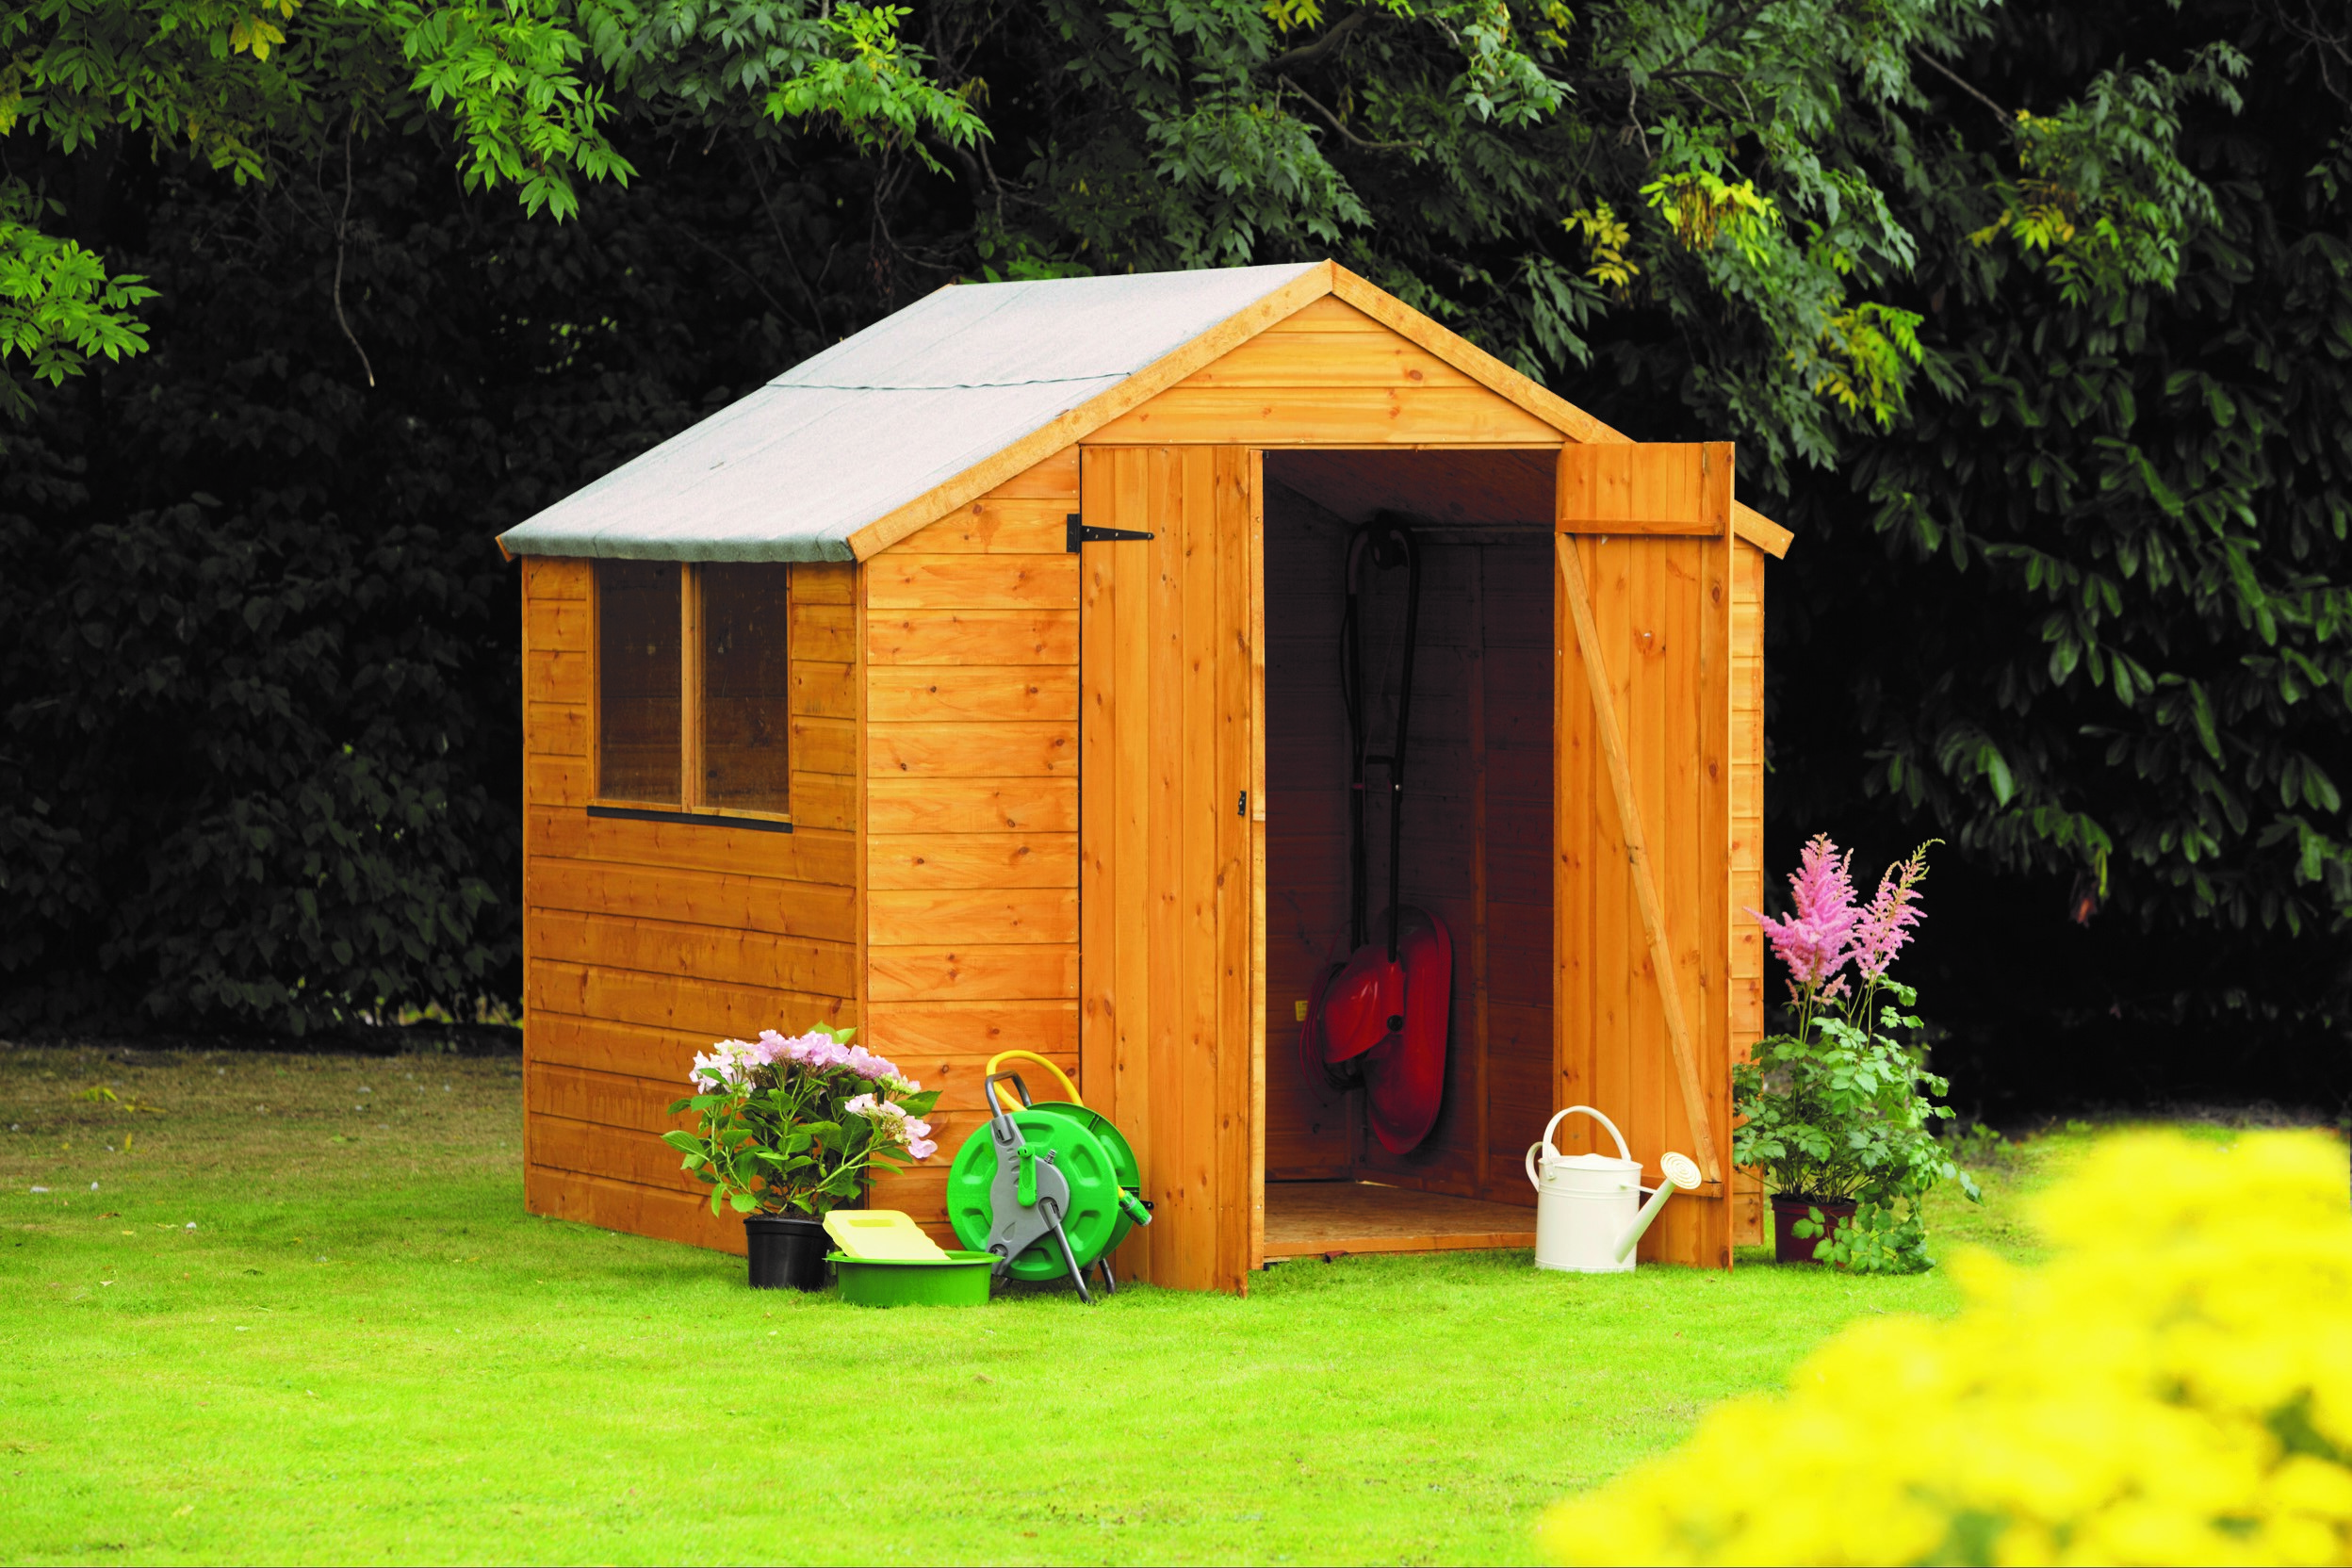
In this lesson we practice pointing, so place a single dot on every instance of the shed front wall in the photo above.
(644, 941)
(970, 687)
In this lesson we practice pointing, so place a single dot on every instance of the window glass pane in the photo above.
(747, 688)
(637, 680)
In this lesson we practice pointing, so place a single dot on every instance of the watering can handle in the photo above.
(1623, 1152)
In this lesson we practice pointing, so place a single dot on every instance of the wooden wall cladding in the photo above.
(971, 693)
(1329, 376)
(1478, 838)
(644, 941)
(1747, 849)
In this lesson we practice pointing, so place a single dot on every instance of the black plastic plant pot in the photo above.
(787, 1252)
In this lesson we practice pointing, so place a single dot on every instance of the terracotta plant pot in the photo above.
(1787, 1246)
(786, 1251)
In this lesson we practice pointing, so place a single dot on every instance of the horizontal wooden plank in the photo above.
(1338, 416)
(799, 856)
(971, 971)
(556, 781)
(555, 577)
(825, 800)
(974, 637)
(972, 1029)
(900, 580)
(668, 1001)
(724, 899)
(615, 1100)
(827, 632)
(823, 691)
(930, 692)
(1319, 359)
(971, 860)
(897, 918)
(555, 728)
(1055, 475)
(1330, 314)
(922, 805)
(630, 1206)
(996, 526)
(971, 750)
(825, 582)
(557, 675)
(824, 745)
(552, 625)
(602, 1045)
(617, 1154)
(697, 952)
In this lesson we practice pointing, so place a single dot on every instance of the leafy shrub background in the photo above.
(2076, 603)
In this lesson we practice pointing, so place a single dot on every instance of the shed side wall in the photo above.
(1747, 848)
(644, 942)
(971, 804)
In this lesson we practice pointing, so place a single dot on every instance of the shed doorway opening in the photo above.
(1476, 833)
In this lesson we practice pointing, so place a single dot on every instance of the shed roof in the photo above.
(855, 432)
(861, 445)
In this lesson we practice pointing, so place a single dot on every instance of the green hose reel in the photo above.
(1091, 1156)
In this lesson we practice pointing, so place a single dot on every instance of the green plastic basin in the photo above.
(959, 1279)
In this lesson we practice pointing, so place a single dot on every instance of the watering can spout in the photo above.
(1680, 1174)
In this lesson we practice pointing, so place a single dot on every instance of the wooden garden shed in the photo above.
(975, 682)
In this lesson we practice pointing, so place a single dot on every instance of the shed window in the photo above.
(747, 688)
(692, 686)
(639, 695)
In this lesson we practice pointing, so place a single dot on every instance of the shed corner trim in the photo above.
(1757, 530)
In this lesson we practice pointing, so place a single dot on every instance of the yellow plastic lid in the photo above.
(881, 1235)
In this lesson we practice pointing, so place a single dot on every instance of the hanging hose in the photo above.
(1391, 543)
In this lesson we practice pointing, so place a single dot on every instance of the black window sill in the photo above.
(693, 819)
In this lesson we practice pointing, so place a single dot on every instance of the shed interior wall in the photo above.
(1477, 813)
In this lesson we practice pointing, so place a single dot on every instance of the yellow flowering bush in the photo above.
(2174, 1385)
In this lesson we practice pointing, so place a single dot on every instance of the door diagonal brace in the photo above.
(1636, 851)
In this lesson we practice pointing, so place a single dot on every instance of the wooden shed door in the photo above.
(1171, 833)
(1643, 804)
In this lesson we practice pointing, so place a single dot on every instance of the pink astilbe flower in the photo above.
(1813, 942)
(1886, 926)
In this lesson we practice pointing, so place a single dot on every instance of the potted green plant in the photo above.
(1837, 1111)
(790, 1130)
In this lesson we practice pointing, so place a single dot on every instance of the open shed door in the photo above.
(1644, 813)
(1171, 844)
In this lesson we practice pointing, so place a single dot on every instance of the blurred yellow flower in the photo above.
(2174, 1385)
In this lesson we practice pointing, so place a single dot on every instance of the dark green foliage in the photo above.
(2069, 590)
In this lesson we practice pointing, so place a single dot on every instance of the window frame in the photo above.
(688, 809)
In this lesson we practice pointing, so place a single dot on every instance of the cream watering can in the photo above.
(1588, 1213)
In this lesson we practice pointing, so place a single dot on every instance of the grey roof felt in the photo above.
(790, 471)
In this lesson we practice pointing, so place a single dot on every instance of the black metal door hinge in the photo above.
(1079, 533)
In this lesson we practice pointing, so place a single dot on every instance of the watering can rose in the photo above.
(799, 1124)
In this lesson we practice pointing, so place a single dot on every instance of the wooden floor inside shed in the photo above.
(1305, 1219)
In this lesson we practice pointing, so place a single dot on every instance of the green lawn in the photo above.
(303, 1316)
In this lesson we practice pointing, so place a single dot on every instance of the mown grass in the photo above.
(303, 1316)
